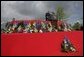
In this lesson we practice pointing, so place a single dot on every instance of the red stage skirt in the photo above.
(40, 44)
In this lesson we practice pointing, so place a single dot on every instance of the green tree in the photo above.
(77, 26)
(60, 13)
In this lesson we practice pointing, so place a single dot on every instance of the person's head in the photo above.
(13, 19)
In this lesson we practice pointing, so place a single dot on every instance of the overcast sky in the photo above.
(37, 9)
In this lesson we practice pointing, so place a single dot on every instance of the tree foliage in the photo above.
(60, 13)
(77, 26)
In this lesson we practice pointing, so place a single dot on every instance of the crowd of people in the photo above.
(52, 24)
(35, 27)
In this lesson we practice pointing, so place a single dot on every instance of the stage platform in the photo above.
(40, 44)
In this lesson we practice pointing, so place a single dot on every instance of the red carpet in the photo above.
(40, 44)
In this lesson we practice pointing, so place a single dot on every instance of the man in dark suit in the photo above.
(48, 16)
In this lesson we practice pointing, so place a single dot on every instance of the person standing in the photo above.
(48, 16)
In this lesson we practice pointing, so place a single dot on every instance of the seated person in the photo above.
(20, 30)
